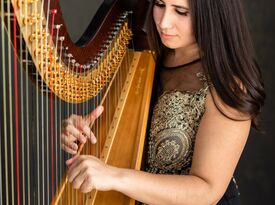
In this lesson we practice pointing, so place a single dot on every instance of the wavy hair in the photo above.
(227, 53)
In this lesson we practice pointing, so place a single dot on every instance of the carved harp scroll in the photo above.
(46, 77)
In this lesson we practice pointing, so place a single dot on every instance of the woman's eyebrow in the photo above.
(180, 7)
(176, 6)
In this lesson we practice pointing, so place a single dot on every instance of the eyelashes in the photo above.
(162, 5)
(182, 13)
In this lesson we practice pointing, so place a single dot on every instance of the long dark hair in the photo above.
(227, 53)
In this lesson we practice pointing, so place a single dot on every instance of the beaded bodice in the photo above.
(174, 124)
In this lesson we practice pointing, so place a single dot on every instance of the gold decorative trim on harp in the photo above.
(101, 71)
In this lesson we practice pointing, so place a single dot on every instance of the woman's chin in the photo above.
(169, 45)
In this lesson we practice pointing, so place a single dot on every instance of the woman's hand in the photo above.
(77, 128)
(87, 172)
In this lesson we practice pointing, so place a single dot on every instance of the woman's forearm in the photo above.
(164, 189)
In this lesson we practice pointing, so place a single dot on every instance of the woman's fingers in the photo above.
(79, 179)
(77, 128)
(87, 172)
(75, 166)
(90, 135)
(91, 117)
(78, 173)
(68, 139)
(68, 149)
(71, 129)
(87, 185)
(68, 144)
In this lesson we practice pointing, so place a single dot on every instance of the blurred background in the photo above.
(255, 172)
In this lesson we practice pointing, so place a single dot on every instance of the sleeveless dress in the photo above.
(175, 120)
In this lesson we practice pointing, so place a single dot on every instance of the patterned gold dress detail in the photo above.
(175, 120)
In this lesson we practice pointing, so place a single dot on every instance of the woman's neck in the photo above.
(181, 56)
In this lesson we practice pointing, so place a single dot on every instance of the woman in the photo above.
(209, 95)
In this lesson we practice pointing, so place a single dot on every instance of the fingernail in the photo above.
(100, 109)
(93, 138)
(68, 162)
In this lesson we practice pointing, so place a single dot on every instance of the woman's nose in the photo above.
(165, 21)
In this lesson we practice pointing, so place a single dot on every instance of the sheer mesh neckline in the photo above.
(182, 65)
(186, 81)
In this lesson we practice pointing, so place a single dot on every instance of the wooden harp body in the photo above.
(46, 77)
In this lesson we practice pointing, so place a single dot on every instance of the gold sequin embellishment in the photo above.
(176, 117)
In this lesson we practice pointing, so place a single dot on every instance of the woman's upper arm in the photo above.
(219, 144)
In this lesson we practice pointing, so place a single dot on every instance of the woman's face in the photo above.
(173, 22)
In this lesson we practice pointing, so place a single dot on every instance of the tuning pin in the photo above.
(58, 26)
(61, 38)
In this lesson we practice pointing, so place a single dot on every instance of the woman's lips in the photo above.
(164, 35)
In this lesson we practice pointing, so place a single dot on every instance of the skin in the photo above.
(218, 147)
(77, 128)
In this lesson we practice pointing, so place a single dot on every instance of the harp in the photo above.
(45, 77)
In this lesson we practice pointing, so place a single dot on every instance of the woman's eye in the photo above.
(182, 13)
(159, 4)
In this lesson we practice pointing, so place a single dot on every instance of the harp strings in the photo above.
(24, 61)
(27, 111)
(59, 154)
(11, 114)
(43, 100)
(51, 109)
(39, 124)
(103, 124)
(5, 120)
(22, 110)
(31, 165)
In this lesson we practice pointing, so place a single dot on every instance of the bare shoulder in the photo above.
(219, 143)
